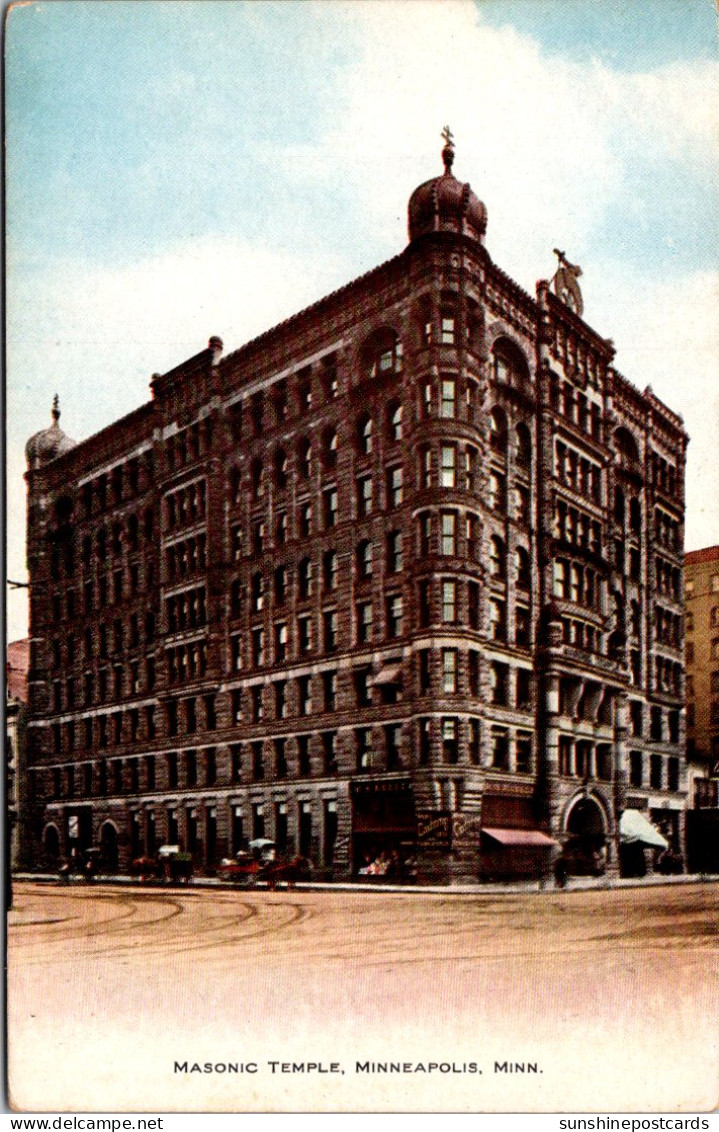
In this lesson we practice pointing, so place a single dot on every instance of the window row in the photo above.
(105, 640)
(667, 627)
(577, 472)
(186, 557)
(584, 759)
(189, 444)
(667, 579)
(574, 405)
(667, 676)
(667, 530)
(521, 440)
(577, 527)
(186, 505)
(124, 482)
(186, 610)
(656, 771)
(573, 581)
(103, 685)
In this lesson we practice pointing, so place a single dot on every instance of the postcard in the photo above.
(363, 557)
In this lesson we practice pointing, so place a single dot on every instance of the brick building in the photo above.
(16, 696)
(402, 575)
(702, 677)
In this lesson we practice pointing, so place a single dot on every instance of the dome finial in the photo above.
(55, 413)
(448, 151)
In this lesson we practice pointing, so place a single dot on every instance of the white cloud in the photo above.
(547, 144)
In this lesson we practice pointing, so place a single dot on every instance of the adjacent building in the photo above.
(400, 579)
(702, 716)
(16, 698)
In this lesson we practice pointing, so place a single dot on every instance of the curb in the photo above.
(577, 884)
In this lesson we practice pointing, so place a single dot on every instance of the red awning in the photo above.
(520, 837)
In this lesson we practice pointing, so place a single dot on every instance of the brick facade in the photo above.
(404, 569)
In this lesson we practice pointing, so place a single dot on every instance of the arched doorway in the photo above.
(585, 848)
(108, 845)
(51, 844)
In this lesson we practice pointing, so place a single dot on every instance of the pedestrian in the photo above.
(560, 872)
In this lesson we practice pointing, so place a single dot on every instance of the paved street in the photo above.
(608, 999)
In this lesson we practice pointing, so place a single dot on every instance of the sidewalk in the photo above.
(575, 884)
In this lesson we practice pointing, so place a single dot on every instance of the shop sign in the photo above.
(465, 829)
(434, 828)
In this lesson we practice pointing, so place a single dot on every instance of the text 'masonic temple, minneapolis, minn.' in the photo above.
(402, 576)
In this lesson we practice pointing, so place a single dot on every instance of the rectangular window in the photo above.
(449, 601)
(395, 608)
(394, 487)
(450, 745)
(394, 552)
(656, 772)
(363, 747)
(497, 492)
(330, 507)
(521, 626)
(448, 473)
(425, 535)
(498, 620)
(329, 745)
(636, 770)
(362, 687)
(304, 626)
(499, 679)
(280, 642)
(500, 749)
(280, 699)
(330, 630)
(447, 330)
(258, 647)
(364, 622)
(425, 740)
(426, 467)
(447, 403)
(449, 533)
(449, 671)
(329, 684)
(364, 496)
(524, 752)
(473, 605)
(304, 690)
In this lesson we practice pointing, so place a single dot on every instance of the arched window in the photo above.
(626, 446)
(510, 365)
(394, 421)
(497, 562)
(523, 447)
(364, 433)
(498, 430)
(364, 559)
(330, 444)
(304, 456)
(382, 353)
(635, 515)
(521, 561)
(281, 468)
(619, 504)
(258, 479)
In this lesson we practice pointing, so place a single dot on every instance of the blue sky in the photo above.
(184, 169)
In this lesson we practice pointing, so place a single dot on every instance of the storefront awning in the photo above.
(388, 674)
(634, 828)
(520, 837)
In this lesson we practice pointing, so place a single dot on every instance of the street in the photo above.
(161, 999)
